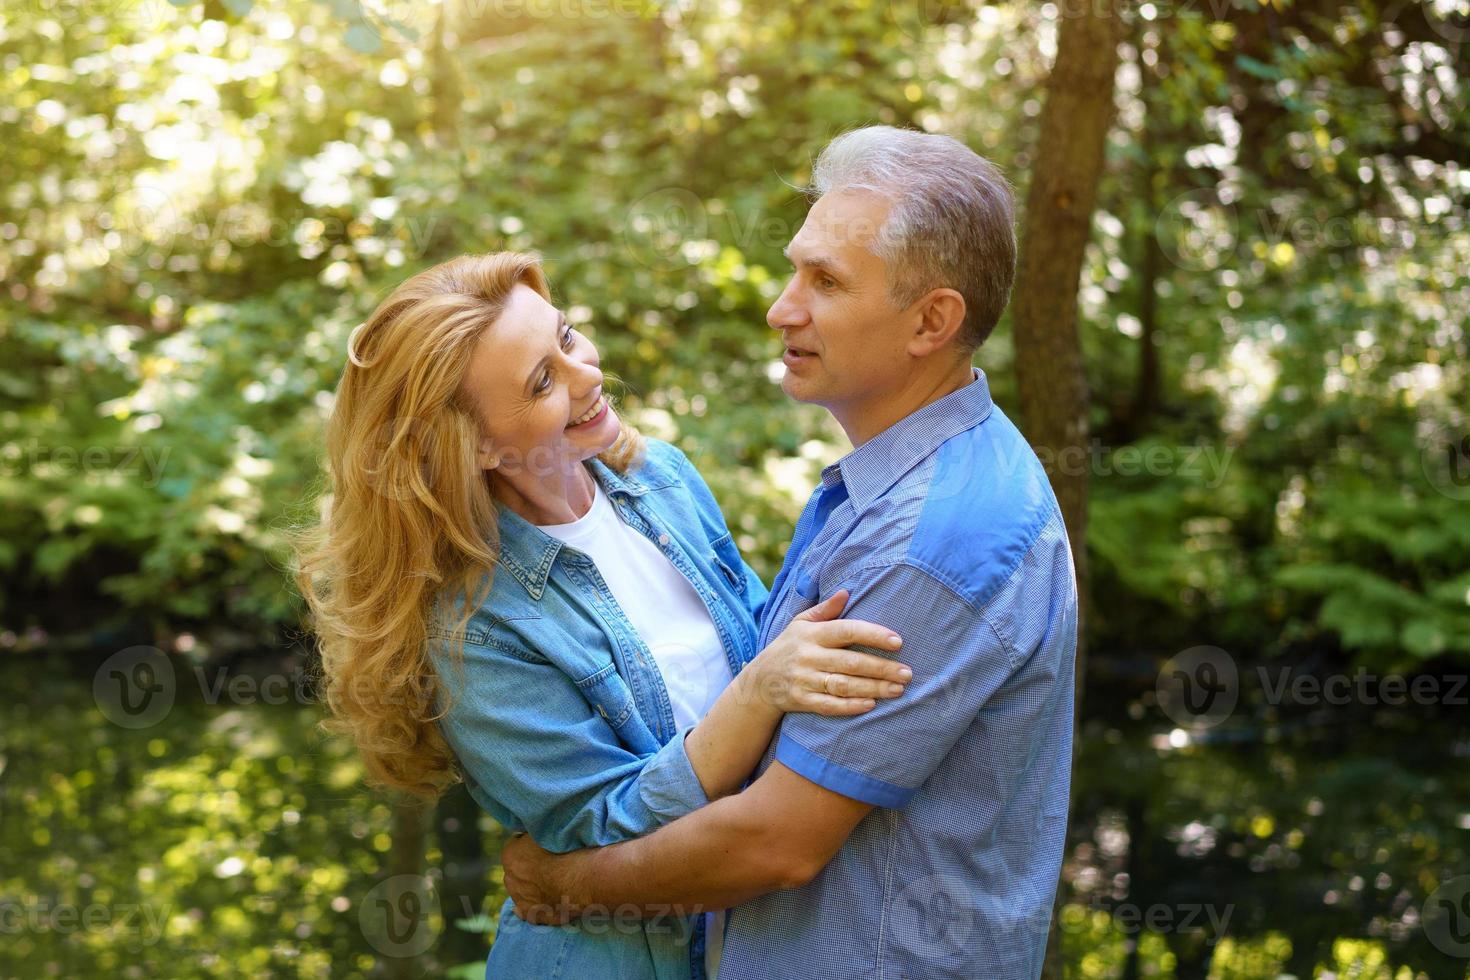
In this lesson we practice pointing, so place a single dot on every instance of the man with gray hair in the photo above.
(924, 837)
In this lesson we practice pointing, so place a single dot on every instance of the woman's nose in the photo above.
(588, 368)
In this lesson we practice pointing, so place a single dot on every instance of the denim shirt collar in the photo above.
(877, 464)
(527, 552)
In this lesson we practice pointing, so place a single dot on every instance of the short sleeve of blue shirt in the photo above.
(959, 661)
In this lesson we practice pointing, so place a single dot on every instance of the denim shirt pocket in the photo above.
(727, 559)
(606, 691)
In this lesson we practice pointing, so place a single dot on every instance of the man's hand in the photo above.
(778, 833)
(530, 881)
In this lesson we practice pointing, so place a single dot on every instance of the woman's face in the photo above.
(538, 387)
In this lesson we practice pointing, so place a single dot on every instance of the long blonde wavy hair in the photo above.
(408, 519)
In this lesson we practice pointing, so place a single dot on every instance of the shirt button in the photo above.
(663, 539)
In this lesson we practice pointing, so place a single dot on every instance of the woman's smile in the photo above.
(592, 416)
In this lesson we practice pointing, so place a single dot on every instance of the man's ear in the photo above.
(941, 317)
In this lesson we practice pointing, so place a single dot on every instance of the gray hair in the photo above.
(951, 221)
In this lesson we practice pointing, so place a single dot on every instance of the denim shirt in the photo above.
(561, 722)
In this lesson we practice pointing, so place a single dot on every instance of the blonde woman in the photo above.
(512, 587)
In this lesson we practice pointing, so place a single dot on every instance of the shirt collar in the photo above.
(527, 552)
(870, 469)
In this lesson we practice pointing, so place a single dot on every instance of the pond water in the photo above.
(224, 836)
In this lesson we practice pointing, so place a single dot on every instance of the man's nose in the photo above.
(787, 311)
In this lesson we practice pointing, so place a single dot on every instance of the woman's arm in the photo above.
(526, 733)
(804, 669)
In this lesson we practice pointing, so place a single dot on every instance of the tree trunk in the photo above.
(1302, 964)
(1137, 889)
(466, 868)
(1052, 386)
(1150, 264)
(1146, 394)
(406, 857)
(446, 88)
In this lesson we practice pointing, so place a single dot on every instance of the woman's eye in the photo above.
(567, 340)
(544, 384)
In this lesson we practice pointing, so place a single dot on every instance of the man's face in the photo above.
(844, 337)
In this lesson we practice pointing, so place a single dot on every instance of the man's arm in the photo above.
(777, 834)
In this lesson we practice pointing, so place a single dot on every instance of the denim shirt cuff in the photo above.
(669, 786)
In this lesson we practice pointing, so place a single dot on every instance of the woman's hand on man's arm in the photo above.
(807, 668)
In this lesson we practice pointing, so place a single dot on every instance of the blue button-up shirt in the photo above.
(944, 528)
(562, 724)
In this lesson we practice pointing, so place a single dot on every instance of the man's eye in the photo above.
(826, 282)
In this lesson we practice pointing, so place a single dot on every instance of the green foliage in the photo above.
(225, 841)
(1390, 574)
(202, 199)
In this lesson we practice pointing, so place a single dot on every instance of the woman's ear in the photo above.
(489, 458)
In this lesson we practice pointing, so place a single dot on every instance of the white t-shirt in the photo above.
(672, 621)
